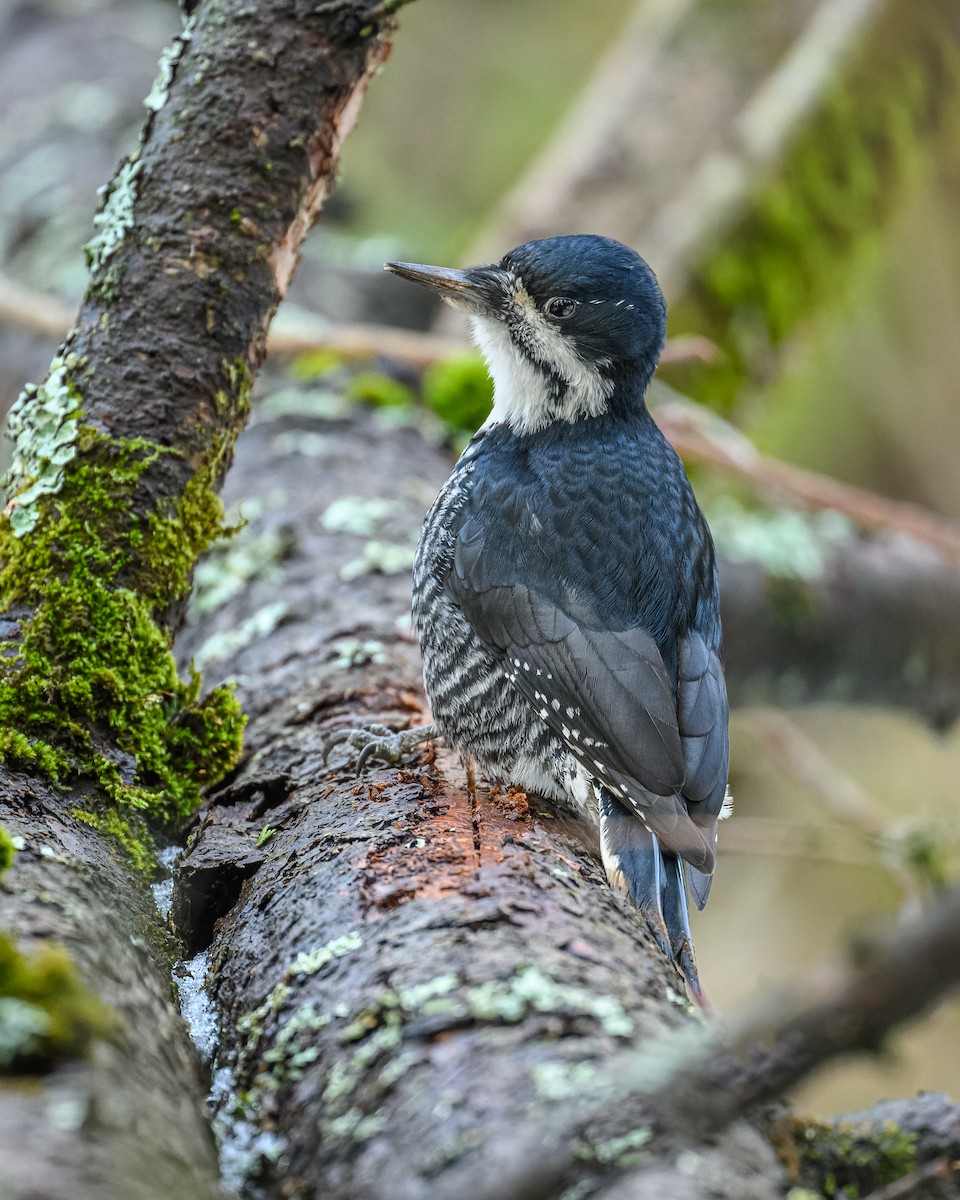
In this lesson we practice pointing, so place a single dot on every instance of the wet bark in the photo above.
(234, 166)
(130, 1124)
(412, 980)
(199, 237)
(419, 989)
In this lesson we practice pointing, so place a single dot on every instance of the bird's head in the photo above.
(570, 327)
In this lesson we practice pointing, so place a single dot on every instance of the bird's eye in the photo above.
(560, 307)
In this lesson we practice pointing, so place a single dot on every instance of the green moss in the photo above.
(379, 390)
(459, 390)
(314, 364)
(89, 688)
(8, 851)
(173, 542)
(46, 1013)
(843, 1160)
(798, 245)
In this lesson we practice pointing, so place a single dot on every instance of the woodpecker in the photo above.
(565, 584)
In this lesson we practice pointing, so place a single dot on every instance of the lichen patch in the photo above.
(43, 425)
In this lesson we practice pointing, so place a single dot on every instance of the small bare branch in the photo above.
(297, 334)
(702, 436)
(833, 788)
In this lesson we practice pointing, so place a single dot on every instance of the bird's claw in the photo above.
(358, 738)
(377, 742)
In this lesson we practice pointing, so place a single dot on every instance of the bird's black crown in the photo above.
(618, 313)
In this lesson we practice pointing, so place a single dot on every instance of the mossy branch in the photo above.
(121, 451)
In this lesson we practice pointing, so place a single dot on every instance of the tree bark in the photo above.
(130, 1124)
(198, 237)
(411, 978)
(421, 990)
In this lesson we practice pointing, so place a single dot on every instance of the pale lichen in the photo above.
(560, 1081)
(788, 544)
(380, 558)
(352, 652)
(43, 425)
(167, 66)
(531, 989)
(356, 514)
(233, 564)
(115, 218)
(307, 963)
(624, 1151)
(260, 624)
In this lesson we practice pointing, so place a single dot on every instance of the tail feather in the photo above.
(654, 880)
(699, 885)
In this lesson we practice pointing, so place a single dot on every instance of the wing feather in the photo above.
(606, 693)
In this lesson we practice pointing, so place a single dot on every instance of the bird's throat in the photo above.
(538, 378)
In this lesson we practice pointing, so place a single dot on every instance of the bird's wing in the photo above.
(702, 718)
(605, 693)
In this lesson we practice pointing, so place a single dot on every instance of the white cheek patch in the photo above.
(587, 389)
(522, 395)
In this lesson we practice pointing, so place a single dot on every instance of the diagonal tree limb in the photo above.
(700, 436)
(197, 239)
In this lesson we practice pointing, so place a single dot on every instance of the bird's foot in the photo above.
(378, 743)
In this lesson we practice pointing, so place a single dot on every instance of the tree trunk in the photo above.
(113, 495)
(130, 1124)
(419, 989)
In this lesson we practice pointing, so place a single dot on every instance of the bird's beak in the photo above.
(483, 290)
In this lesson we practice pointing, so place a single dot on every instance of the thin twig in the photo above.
(300, 333)
(836, 791)
(360, 342)
(701, 436)
(33, 310)
(768, 837)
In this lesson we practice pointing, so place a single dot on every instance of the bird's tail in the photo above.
(654, 880)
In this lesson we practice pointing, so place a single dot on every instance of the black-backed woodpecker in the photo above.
(565, 585)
